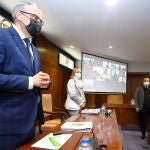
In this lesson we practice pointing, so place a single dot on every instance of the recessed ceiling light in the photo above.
(110, 46)
(111, 2)
(71, 46)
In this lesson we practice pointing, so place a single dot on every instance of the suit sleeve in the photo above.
(9, 81)
(136, 97)
(13, 82)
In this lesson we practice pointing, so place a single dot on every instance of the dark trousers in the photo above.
(143, 119)
(11, 142)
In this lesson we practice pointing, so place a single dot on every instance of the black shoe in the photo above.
(143, 136)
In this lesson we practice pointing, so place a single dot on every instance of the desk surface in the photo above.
(109, 135)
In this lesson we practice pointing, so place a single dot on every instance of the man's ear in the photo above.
(21, 17)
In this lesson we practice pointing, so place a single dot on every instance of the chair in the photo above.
(53, 116)
(115, 99)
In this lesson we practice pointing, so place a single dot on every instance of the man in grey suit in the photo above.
(142, 101)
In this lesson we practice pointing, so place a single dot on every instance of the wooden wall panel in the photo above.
(58, 74)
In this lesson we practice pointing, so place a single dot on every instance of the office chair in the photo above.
(53, 116)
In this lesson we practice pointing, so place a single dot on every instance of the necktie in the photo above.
(28, 46)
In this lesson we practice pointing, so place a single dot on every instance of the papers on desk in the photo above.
(77, 126)
(90, 111)
(52, 142)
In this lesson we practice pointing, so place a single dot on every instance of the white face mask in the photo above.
(146, 84)
(78, 75)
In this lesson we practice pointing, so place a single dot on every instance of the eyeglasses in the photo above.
(33, 16)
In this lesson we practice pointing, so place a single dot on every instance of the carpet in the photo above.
(131, 137)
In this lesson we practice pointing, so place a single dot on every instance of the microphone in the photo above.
(62, 132)
(108, 112)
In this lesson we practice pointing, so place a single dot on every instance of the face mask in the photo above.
(78, 75)
(145, 84)
(34, 27)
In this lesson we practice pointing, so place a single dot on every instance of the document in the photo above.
(52, 142)
(77, 126)
(90, 111)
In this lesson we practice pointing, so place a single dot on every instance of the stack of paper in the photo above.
(52, 142)
(77, 126)
(90, 111)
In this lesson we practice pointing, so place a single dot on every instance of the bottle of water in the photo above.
(85, 144)
(132, 101)
(102, 111)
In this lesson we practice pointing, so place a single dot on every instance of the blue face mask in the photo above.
(78, 75)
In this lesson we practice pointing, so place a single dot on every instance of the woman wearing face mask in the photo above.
(142, 101)
(75, 95)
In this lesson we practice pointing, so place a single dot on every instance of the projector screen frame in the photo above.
(112, 60)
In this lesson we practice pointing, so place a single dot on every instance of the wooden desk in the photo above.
(110, 135)
(125, 113)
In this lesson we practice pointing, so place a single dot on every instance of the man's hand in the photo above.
(137, 109)
(41, 80)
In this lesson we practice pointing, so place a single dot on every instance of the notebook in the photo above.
(77, 126)
(90, 111)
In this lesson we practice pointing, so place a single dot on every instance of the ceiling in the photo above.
(91, 26)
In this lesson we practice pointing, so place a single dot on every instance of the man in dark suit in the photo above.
(21, 78)
(142, 101)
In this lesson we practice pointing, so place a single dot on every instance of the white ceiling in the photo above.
(91, 26)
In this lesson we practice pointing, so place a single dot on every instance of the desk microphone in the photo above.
(62, 132)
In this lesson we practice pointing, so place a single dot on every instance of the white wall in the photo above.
(139, 67)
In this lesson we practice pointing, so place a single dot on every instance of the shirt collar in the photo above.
(20, 33)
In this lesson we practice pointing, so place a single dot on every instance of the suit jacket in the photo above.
(139, 97)
(19, 106)
(75, 96)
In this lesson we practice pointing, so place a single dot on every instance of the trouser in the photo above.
(143, 119)
(11, 142)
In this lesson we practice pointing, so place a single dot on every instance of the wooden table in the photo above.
(109, 135)
(126, 113)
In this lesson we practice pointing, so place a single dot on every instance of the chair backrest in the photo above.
(115, 99)
(47, 102)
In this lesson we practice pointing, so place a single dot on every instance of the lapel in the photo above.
(21, 46)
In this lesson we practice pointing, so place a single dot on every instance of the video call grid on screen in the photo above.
(103, 75)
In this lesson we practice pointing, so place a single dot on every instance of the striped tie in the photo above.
(29, 48)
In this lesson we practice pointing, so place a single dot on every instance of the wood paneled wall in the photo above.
(60, 75)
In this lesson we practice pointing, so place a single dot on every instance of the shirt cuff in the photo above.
(30, 86)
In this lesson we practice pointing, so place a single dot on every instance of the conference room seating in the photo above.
(53, 116)
(115, 99)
